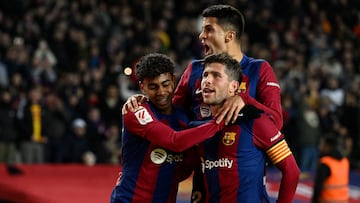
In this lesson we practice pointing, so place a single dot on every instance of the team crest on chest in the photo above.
(229, 138)
(242, 88)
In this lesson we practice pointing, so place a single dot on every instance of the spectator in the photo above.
(8, 128)
(34, 127)
(332, 175)
(44, 62)
(58, 120)
(79, 148)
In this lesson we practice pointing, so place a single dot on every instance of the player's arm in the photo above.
(281, 156)
(268, 138)
(181, 94)
(143, 123)
(267, 95)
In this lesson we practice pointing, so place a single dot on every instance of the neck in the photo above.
(234, 50)
(214, 109)
(166, 111)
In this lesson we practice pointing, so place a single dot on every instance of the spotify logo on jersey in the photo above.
(158, 156)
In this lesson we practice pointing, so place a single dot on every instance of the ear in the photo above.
(141, 86)
(229, 36)
(234, 85)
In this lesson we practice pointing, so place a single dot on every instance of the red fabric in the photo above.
(42, 183)
(142, 122)
(267, 94)
(289, 181)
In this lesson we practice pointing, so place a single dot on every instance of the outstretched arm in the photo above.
(143, 123)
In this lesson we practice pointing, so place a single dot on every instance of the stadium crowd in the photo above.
(66, 68)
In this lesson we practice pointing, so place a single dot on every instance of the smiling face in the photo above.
(216, 85)
(160, 91)
(212, 36)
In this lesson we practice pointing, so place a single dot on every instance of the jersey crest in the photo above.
(229, 138)
(242, 88)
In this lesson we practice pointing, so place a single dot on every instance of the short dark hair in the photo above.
(152, 65)
(233, 69)
(332, 140)
(228, 17)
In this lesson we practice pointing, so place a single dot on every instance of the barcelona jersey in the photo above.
(259, 87)
(234, 160)
(156, 157)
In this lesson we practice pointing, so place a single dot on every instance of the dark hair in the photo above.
(228, 17)
(331, 140)
(152, 65)
(232, 66)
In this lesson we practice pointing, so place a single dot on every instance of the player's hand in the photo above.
(249, 112)
(133, 103)
(230, 109)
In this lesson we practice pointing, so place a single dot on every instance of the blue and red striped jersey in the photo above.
(233, 161)
(259, 87)
(155, 158)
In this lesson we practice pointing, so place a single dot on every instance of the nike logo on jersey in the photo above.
(198, 91)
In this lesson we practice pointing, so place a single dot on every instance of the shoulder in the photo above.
(251, 62)
(142, 115)
(266, 132)
(196, 63)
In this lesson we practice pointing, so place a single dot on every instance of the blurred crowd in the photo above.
(66, 68)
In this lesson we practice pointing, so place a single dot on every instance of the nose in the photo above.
(161, 91)
(202, 35)
(207, 79)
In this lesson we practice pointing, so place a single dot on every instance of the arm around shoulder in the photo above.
(143, 123)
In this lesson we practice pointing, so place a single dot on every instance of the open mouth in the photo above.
(206, 50)
(207, 91)
(162, 101)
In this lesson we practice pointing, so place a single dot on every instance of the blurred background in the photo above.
(68, 66)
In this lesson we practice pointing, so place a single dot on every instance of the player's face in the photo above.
(160, 91)
(216, 85)
(212, 36)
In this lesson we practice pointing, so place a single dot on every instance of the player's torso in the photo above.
(233, 166)
(150, 171)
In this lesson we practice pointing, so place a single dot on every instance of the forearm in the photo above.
(181, 140)
(290, 178)
(143, 123)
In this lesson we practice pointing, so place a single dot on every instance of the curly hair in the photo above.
(152, 65)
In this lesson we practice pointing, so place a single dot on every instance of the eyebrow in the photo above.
(161, 82)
